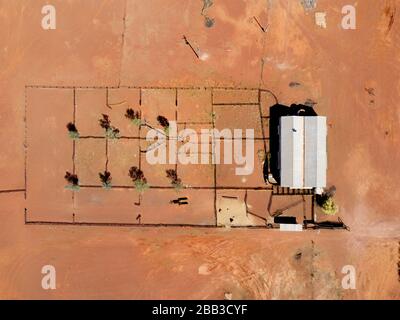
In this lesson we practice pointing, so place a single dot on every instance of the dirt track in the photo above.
(352, 75)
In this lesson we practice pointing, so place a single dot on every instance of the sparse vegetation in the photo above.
(163, 121)
(138, 179)
(175, 181)
(72, 131)
(105, 121)
(105, 178)
(262, 156)
(213, 116)
(111, 132)
(73, 181)
(327, 204)
(133, 116)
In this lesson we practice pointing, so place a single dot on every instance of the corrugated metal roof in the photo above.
(303, 160)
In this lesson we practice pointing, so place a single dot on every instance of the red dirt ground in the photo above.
(132, 43)
(47, 198)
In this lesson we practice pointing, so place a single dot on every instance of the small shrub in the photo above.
(136, 174)
(133, 116)
(72, 131)
(73, 135)
(163, 121)
(105, 178)
(213, 116)
(175, 181)
(178, 186)
(166, 131)
(262, 156)
(72, 187)
(327, 204)
(141, 185)
(105, 122)
(73, 181)
(138, 179)
(111, 132)
(330, 207)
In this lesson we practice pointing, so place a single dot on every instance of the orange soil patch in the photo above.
(158, 102)
(130, 99)
(229, 51)
(106, 206)
(239, 117)
(194, 105)
(202, 137)
(155, 207)
(265, 128)
(234, 96)
(257, 203)
(200, 174)
(197, 175)
(49, 154)
(156, 173)
(226, 173)
(267, 100)
(189, 263)
(292, 206)
(90, 105)
(122, 155)
(90, 159)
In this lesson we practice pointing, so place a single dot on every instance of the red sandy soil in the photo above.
(187, 263)
(47, 199)
(132, 43)
(195, 106)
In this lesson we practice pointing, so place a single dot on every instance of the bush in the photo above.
(163, 121)
(175, 181)
(111, 132)
(329, 207)
(73, 135)
(139, 181)
(327, 204)
(72, 131)
(141, 185)
(72, 187)
(105, 179)
(134, 116)
(73, 181)
(136, 174)
(105, 122)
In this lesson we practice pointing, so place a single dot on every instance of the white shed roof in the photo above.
(303, 160)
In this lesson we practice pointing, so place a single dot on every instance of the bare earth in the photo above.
(352, 75)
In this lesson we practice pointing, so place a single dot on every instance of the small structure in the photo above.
(291, 227)
(302, 156)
